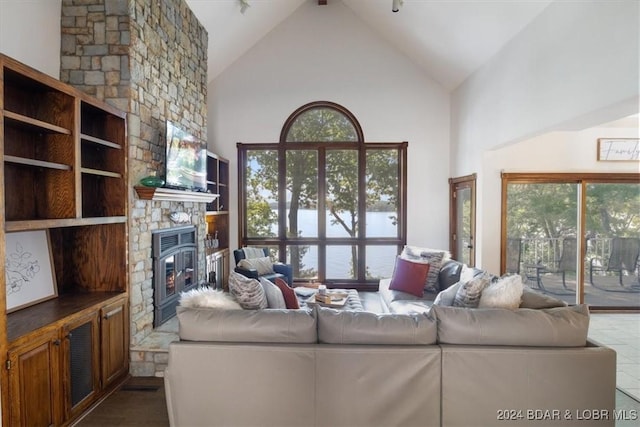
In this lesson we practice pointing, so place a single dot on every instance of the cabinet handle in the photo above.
(56, 342)
(112, 313)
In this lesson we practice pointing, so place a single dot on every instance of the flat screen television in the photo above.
(186, 161)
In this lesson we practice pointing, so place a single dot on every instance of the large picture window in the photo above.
(324, 200)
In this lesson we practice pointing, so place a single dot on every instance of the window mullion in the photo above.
(322, 213)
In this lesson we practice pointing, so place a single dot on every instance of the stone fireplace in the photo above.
(148, 59)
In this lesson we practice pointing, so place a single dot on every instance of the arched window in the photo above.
(305, 197)
(321, 122)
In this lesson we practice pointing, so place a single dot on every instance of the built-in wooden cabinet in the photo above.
(34, 382)
(217, 258)
(114, 334)
(63, 170)
(80, 362)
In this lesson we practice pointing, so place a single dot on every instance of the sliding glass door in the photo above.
(574, 236)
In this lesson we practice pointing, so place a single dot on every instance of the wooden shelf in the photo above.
(100, 141)
(27, 320)
(169, 194)
(41, 224)
(37, 163)
(40, 125)
(217, 213)
(100, 172)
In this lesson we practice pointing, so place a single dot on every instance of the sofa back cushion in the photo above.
(554, 327)
(264, 326)
(363, 327)
(449, 274)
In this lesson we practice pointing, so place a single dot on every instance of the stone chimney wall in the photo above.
(148, 58)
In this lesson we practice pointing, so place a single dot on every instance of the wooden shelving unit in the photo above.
(63, 170)
(218, 259)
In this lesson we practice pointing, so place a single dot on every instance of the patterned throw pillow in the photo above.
(469, 293)
(434, 257)
(275, 299)
(263, 265)
(248, 292)
(409, 276)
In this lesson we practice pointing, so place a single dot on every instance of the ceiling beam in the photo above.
(322, 2)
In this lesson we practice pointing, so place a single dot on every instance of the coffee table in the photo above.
(351, 301)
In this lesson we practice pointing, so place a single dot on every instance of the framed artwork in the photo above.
(618, 149)
(29, 274)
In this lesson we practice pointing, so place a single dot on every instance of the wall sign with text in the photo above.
(618, 149)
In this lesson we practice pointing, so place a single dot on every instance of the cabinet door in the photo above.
(81, 363)
(115, 340)
(34, 382)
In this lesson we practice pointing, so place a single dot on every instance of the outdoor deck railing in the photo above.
(547, 252)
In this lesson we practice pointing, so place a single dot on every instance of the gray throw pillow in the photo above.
(447, 296)
(248, 292)
(275, 299)
(534, 299)
(469, 293)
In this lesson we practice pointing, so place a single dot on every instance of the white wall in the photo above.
(576, 65)
(328, 53)
(30, 33)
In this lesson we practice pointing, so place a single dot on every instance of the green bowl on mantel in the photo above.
(152, 181)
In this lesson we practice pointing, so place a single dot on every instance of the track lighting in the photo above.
(395, 5)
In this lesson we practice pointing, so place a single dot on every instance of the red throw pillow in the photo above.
(409, 277)
(290, 299)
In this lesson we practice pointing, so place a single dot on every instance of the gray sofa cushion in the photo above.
(409, 307)
(389, 295)
(554, 327)
(269, 326)
(449, 274)
(362, 327)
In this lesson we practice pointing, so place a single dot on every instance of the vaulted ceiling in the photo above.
(449, 39)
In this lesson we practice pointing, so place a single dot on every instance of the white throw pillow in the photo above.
(263, 265)
(447, 296)
(248, 292)
(275, 299)
(506, 292)
(210, 298)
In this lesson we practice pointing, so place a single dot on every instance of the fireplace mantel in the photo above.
(172, 195)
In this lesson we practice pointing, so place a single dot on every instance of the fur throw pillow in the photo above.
(210, 298)
(248, 292)
(505, 292)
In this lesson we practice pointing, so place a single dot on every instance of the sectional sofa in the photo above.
(443, 366)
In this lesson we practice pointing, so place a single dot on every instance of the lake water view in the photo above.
(380, 259)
